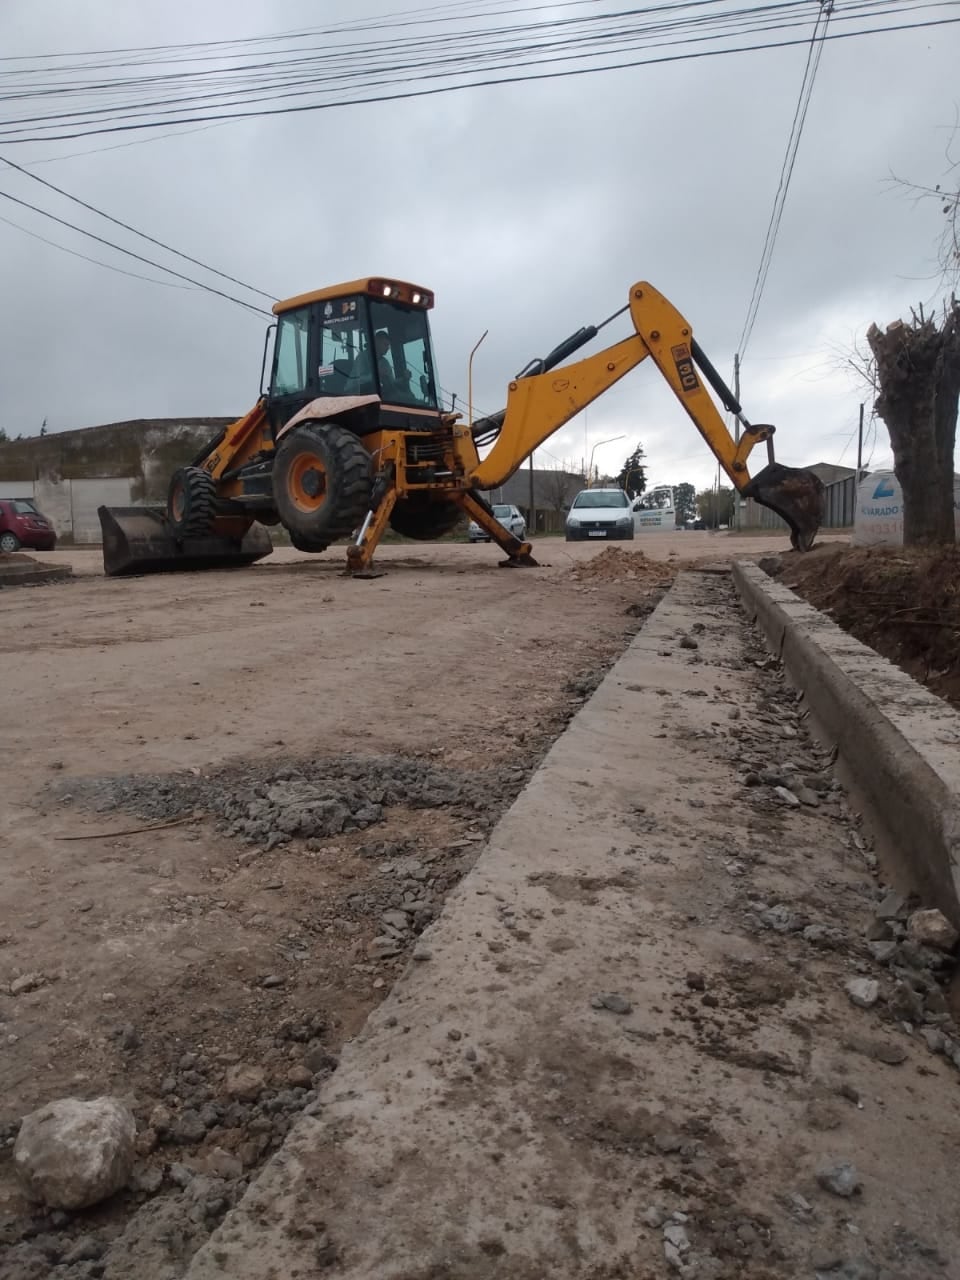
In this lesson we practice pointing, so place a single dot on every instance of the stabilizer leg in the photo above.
(519, 554)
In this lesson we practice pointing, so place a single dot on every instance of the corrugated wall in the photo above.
(840, 505)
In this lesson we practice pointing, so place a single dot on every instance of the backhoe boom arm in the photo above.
(539, 403)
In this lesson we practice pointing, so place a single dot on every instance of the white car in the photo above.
(508, 515)
(600, 513)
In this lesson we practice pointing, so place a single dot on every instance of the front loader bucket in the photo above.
(795, 495)
(139, 540)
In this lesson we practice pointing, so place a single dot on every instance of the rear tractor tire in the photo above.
(312, 545)
(191, 502)
(321, 484)
(418, 517)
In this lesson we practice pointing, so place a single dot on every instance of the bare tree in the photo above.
(947, 195)
(558, 488)
(918, 374)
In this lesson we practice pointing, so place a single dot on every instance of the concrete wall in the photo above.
(70, 473)
(72, 504)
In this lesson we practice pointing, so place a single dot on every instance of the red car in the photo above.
(22, 525)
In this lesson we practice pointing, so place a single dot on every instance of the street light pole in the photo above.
(598, 445)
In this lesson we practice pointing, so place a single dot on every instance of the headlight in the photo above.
(573, 522)
(625, 520)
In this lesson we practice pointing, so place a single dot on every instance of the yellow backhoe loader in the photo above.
(349, 436)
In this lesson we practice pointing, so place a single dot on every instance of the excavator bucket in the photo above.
(795, 495)
(139, 540)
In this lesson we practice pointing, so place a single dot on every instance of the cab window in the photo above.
(405, 368)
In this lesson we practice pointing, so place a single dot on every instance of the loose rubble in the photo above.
(863, 992)
(72, 1154)
(269, 805)
(613, 564)
(932, 929)
(842, 1179)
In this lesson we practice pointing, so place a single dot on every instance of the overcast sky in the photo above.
(530, 209)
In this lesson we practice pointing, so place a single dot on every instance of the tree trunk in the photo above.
(918, 370)
(948, 396)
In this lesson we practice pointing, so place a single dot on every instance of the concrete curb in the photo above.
(20, 573)
(899, 742)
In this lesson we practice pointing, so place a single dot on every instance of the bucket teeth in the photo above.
(795, 495)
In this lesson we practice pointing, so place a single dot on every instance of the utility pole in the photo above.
(860, 444)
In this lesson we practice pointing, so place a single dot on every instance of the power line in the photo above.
(130, 254)
(127, 227)
(167, 284)
(814, 54)
(125, 121)
(131, 142)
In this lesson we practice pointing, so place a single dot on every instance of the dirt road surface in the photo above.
(150, 964)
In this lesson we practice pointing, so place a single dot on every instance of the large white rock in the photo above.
(932, 929)
(72, 1154)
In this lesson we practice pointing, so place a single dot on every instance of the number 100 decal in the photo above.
(685, 369)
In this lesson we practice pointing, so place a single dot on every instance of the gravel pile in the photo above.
(269, 804)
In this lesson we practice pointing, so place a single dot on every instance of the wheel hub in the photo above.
(312, 482)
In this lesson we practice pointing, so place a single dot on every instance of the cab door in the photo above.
(290, 381)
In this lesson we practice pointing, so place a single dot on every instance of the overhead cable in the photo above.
(130, 254)
(814, 53)
(142, 234)
(394, 69)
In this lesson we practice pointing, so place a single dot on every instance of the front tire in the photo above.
(321, 483)
(191, 502)
(9, 542)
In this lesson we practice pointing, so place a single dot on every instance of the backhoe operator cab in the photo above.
(371, 338)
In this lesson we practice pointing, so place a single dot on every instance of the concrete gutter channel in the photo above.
(487, 1122)
(898, 743)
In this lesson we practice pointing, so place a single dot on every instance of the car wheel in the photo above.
(9, 542)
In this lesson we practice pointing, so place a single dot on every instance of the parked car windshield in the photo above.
(502, 511)
(601, 498)
(23, 507)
